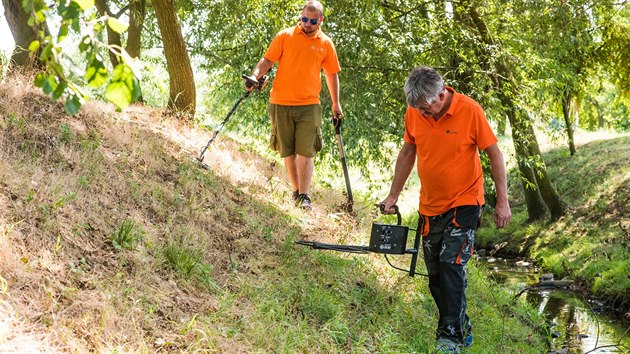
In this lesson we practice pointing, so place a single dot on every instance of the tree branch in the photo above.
(122, 11)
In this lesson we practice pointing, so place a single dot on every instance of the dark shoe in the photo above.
(304, 202)
(296, 197)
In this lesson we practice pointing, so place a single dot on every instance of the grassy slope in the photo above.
(591, 243)
(203, 260)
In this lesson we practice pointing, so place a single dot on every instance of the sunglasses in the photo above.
(313, 20)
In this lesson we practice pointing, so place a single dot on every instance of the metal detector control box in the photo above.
(389, 239)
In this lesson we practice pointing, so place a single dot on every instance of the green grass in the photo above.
(327, 302)
(187, 262)
(126, 236)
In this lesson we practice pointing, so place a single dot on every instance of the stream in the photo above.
(579, 326)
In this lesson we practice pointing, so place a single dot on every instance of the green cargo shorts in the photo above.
(296, 129)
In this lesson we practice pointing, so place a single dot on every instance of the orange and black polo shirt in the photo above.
(447, 154)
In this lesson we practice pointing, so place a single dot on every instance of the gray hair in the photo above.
(423, 84)
(314, 6)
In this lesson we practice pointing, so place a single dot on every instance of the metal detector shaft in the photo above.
(216, 132)
(252, 85)
(414, 253)
(333, 247)
(337, 124)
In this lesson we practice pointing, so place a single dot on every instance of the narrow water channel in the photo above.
(580, 326)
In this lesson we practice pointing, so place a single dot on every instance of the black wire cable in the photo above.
(404, 270)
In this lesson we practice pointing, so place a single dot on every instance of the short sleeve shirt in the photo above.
(447, 154)
(300, 60)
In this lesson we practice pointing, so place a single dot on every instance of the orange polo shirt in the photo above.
(447, 154)
(300, 60)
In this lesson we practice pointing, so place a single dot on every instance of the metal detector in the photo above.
(385, 239)
(249, 82)
(337, 124)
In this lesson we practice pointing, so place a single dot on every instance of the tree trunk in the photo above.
(461, 76)
(567, 97)
(549, 194)
(113, 37)
(601, 123)
(525, 143)
(536, 208)
(137, 13)
(23, 35)
(182, 83)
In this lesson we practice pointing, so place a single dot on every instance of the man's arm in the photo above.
(502, 213)
(332, 81)
(261, 69)
(404, 164)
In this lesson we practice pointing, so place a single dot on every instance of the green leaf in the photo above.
(40, 17)
(85, 4)
(96, 74)
(50, 84)
(59, 90)
(136, 90)
(39, 79)
(86, 43)
(63, 31)
(116, 25)
(76, 25)
(34, 46)
(119, 94)
(56, 68)
(46, 52)
(73, 104)
(69, 12)
(98, 27)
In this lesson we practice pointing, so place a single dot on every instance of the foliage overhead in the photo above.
(68, 74)
(548, 48)
(582, 46)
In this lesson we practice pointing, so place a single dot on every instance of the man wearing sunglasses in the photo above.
(302, 52)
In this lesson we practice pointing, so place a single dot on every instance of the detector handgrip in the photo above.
(258, 85)
(382, 207)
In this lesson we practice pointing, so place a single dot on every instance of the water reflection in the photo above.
(579, 328)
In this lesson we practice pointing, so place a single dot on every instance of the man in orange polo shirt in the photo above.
(444, 131)
(294, 110)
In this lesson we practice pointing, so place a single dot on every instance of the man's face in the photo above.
(432, 109)
(311, 16)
